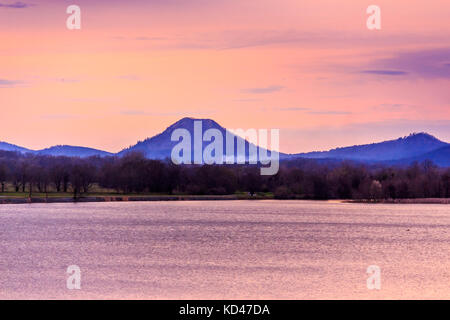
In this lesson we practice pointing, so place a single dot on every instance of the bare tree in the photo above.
(3, 176)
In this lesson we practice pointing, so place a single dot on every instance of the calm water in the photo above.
(224, 250)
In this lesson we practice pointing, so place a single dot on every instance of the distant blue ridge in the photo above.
(415, 147)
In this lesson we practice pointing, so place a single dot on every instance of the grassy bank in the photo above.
(405, 201)
(53, 197)
(21, 198)
(99, 194)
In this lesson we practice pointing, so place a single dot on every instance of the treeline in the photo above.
(300, 179)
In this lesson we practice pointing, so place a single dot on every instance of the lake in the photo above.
(225, 250)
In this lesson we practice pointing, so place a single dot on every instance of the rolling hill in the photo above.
(12, 147)
(412, 146)
(71, 151)
(67, 151)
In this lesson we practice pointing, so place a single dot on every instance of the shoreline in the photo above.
(403, 201)
(118, 198)
(25, 200)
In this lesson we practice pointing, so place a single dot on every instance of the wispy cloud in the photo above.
(247, 100)
(140, 38)
(16, 5)
(134, 113)
(5, 83)
(312, 111)
(292, 109)
(390, 105)
(150, 38)
(93, 100)
(249, 38)
(396, 107)
(130, 77)
(264, 90)
(167, 114)
(68, 80)
(385, 72)
(327, 112)
(9, 83)
(61, 116)
(430, 63)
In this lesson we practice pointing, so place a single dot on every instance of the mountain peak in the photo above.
(421, 135)
(188, 122)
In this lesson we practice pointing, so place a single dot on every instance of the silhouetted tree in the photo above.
(3, 175)
(300, 178)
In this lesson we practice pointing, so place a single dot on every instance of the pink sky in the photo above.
(310, 68)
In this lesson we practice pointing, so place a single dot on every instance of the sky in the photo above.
(310, 68)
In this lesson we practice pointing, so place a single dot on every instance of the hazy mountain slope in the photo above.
(73, 151)
(440, 157)
(411, 146)
(415, 147)
(11, 147)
